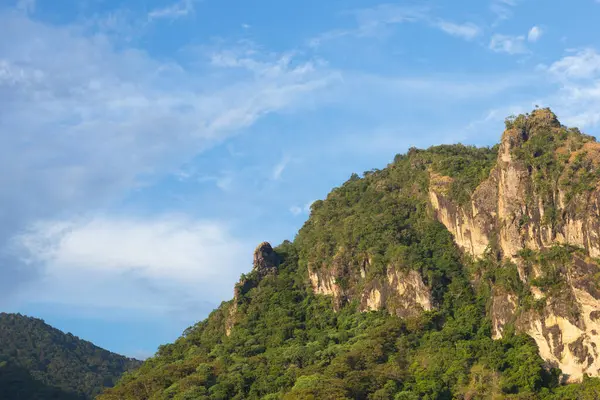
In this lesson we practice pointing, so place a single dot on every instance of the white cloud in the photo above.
(153, 265)
(177, 10)
(508, 44)
(534, 34)
(579, 96)
(279, 168)
(585, 64)
(466, 31)
(370, 20)
(80, 112)
(331, 35)
(169, 247)
(503, 9)
(374, 21)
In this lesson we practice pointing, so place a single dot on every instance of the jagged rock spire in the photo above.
(265, 259)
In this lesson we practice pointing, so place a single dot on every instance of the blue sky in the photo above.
(149, 145)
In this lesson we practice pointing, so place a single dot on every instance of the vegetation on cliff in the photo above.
(40, 362)
(285, 342)
(558, 158)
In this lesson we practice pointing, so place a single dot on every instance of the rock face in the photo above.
(507, 208)
(401, 292)
(265, 260)
(519, 208)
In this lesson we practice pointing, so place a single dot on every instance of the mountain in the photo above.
(539, 211)
(38, 361)
(453, 273)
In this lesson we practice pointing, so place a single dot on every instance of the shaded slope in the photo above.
(38, 356)
(17, 383)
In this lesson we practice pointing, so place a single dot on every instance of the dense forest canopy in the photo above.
(288, 343)
(41, 362)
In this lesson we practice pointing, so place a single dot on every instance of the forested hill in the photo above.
(453, 273)
(38, 361)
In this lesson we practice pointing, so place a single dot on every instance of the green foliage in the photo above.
(467, 165)
(288, 343)
(556, 159)
(40, 362)
(554, 263)
(589, 389)
(17, 383)
(384, 218)
(582, 176)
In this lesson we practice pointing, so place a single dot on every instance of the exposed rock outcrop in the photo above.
(400, 292)
(507, 208)
(517, 208)
(265, 260)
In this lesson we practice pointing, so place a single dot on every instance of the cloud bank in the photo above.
(84, 121)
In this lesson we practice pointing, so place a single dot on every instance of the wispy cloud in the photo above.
(508, 44)
(584, 64)
(503, 9)
(177, 10)
(466, 31)
(102, 118)
(370, 20)
(534, 34)
(578, 75)
(279, 168)
(373, 21)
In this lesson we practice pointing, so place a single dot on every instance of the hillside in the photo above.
(454, 272)
(41, 362)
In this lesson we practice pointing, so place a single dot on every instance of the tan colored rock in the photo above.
(374, 300)
(324, 283)
(567, 330)
(499, 205)
(399, 292)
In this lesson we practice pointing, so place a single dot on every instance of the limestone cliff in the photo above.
(400, 291)
(518, 212)
(543, 192)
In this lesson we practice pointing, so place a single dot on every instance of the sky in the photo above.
(147, 146)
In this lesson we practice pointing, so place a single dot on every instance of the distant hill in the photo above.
(38, 361)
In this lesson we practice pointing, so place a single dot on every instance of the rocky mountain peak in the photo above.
(265, 259)
(525, 126)
(541, 199)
